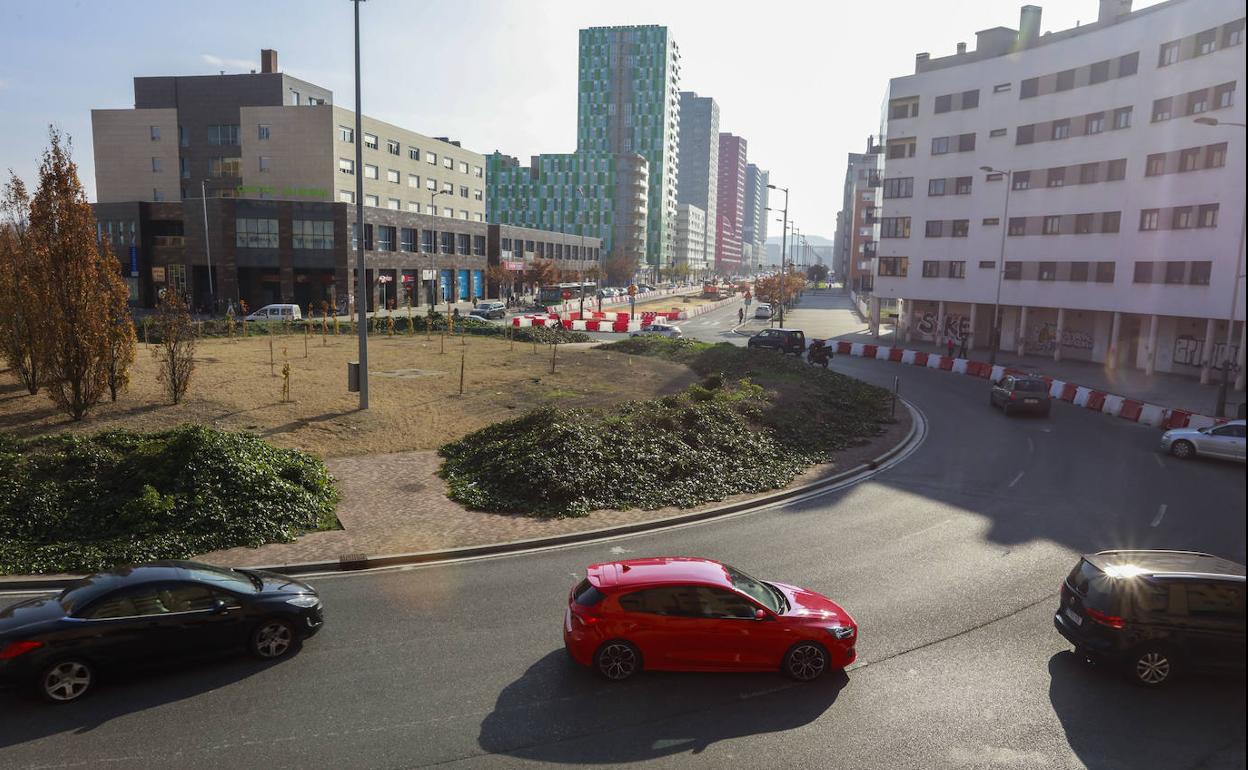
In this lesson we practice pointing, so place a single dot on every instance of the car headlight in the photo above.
(305, 600)
(842, 632)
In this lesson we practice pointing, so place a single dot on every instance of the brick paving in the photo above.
(395, 503)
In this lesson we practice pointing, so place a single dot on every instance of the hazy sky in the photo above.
(801, 80)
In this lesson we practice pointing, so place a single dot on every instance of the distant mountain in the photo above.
(822, 246)
(813, 240)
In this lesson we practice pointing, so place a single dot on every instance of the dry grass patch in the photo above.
(414, 391)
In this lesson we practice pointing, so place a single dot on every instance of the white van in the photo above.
(277, 313)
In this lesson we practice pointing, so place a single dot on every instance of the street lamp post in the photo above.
(360, 276)
(203, 198)
(1224, 385)
(433, 251)
(995, 342)
(580, 194)
(783, 244)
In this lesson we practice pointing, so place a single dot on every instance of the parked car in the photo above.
(277, 313)
(1014, 393)
(1155, 613)
(783, 340)
(1225, 441)
(658, 330)
(762, 310)
(152, 613)
(488, 310)
(690, 614)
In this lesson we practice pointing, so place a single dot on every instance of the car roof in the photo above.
(798, 331)
(1167, 563)
(660, 570)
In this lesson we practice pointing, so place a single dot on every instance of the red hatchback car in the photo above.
(688, 614)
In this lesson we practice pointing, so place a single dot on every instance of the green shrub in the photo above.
(82, 503)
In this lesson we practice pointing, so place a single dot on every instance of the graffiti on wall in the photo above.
(1188, 351)
(1042, 338)
(955, 325)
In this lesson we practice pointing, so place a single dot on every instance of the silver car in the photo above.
(1225, 441)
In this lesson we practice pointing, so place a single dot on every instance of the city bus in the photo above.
(553, 293)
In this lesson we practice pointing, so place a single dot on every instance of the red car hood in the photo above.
(806, 603)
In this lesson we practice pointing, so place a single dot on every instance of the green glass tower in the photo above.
(629, 102)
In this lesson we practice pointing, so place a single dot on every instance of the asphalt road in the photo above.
(950, 562)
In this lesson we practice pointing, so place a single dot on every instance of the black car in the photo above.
(150, 613)
(783, 340)
(1155, 612)
(1015, 393)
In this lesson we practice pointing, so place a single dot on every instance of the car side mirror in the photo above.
(761, 614)
(219, 607)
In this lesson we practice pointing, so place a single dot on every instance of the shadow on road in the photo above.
(560, 712)
(1111, 723)
(118, 694)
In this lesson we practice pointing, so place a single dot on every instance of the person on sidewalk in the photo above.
(949, 345)
(962, 348)
(740, 316)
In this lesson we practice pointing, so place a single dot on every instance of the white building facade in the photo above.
(1124, 233)
(690, 243)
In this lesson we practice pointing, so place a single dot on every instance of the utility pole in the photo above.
(361, 300)
(995, 342)
(783, 244)
(203, 198)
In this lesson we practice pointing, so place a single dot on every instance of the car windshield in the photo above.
(225, 578)
(1031, 386)
(764, 594)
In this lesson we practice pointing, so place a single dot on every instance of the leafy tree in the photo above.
(817, 273)
(497, 280)
(541, 272)
(619, 267)
(86, 294)
(23, 288)
(176, 351)
(121, 345)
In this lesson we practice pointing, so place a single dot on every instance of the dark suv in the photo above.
(1015, 393)
(784, 340)
(1155, 612)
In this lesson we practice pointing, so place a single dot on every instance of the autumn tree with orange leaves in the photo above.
(23, 287)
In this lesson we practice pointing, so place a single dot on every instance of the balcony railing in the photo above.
(169, 240)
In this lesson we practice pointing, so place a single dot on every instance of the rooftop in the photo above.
(1166, 562)
(663, 569)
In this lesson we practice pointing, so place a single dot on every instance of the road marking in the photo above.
(1017, 479)
(1031, 445)
(1160, 464)
(1161, 512)
(615, 549)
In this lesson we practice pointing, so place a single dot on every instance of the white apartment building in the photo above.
(1124, 233)
(690, 243)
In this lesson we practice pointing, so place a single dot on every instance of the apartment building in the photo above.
(730, 206)
(628, 103)
(754, 217)
(1074, 172)
(699, 162)
(857, 228)
(690, 246)
(269, 161)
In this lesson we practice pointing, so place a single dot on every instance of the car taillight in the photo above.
(1105, 619)
(1013, 395)
(13, 649)
(585, 620)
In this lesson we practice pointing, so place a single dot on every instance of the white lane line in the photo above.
(1161, 512)
(1160, 464)
(1017, 479)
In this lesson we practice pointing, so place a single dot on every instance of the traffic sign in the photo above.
(566, 294)
(632, 290)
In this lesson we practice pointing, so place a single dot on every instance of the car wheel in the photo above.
(1182, 449)
(1152, 666)
(806, 661)
(272, 639)
(617, 660)
(65, 681)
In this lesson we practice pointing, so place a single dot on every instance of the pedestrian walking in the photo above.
(740, 316)
(962, 348)
(949, 346)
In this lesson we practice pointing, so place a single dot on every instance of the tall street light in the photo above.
(995, 342)
(783, 244)
(433, 251)
(1224, 386)
(580, 194)
(360, 276)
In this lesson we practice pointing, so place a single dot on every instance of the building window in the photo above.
(448, 162)
(223, 135)
(184, 139)
(1155, 165)
(385, 238)
(431, 158)
(1162, 109)
(936, 187)
(431, 209)
(370, 171)
(1094, 123)
(1206, 42)
(1048, 271)
(1025, 134)
(1105, 272)
(184, 168)
(1061, 129)
(1199, 273)
(262, 132)
(1215, 155)
(943, 104)
(311, 234)
(394, 204)
(478, 217)
(370, 141)
(159, 196)
(478, 245)
(346, 166)
(1189, 159)
(1168, 54)
(413, 181)
(1128, 64)
(970, 99)
(1052, 225)
(1018, 226)
(1098, 72)
(1198, 101)
(1175, 271)
(903, 108)
(1143, 272)
(463, 167)
(224, 167)
(901, 148)
(935, 228)
(463, 191)
(464, 243)
(963, 185)
(895, 227)
(158, 165)
(960, 228)
(1116, 171)
(1029, 88)
(899, 187)
(407, 239)
(1181, 218)
(372, 200)
(997, 132)
(966, 142)
(478, 172)
(896, 267)
(368, 236)
(346, 196)
(1001, 88)
(1013, 270)
(1056, 177)
(448, 213)
(1021, 180)
(1207, 215)
(1083, 223)
(392, 176)
(427, 240)
(1065, 80)
(478, 195)
(1149, 219)
(1089, 173)
(448, 243)
(266, 163)
(154, 133)
(255, 233)
(413, 207)
(1223, 96)
(1111, 221)
(957, 269)
(940, 145)
(990, 222)
(1079, 272)
(1122, 118)
(431, 183)
(1232, 33)
(931, 268)
(392, 147)
(346, 134)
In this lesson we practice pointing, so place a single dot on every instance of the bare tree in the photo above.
(176, 349)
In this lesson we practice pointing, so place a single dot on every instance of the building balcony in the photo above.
(168, 241)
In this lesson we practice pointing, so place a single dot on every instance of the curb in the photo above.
(356, 562)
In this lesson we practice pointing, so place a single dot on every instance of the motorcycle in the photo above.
(820, 353)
